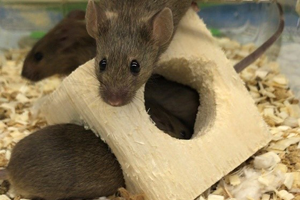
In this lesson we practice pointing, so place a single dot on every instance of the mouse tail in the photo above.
(3, 174)
(264, 47)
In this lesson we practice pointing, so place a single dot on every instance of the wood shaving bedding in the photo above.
(19, 101)
(272, 174)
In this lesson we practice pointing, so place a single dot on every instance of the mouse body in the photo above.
(63, 161)
(66, 161)
(167, 122)
(61, 50)
(130, 35)
(180, 100)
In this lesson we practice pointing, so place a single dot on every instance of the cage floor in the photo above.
(272, 173)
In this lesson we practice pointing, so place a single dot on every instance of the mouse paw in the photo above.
(123, 194)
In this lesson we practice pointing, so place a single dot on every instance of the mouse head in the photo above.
(61, 50)
(128, 48)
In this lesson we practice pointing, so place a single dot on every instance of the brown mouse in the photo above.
(66, 161)
(49, 65)
(76, 14)
(179, 100)
(63, 161)
(130, 36)
(68, 38)
(167, 122)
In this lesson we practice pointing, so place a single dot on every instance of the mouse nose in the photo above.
(24, 73)
(115, 100)
(115, 96)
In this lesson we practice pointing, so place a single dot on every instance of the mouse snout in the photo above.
(30, 74)
(26, 73)
(116, 98)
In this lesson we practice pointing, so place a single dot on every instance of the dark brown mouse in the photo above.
(61, 50)
(179, 100)
(130, 36)
(76, 14)
(66, 161)
(61, 162)
(167, 122)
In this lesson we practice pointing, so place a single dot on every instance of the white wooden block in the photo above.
(228, 128)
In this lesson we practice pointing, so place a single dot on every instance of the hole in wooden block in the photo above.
(172, 106)
(180, 71)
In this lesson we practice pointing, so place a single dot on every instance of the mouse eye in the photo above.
(102, 64)
(135, 67)
(183, 134)
(38, 56)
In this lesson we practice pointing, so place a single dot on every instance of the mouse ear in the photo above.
(163, 26)
(94, 17)
(76, 15)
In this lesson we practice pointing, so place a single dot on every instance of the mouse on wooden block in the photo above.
(61, 162)
(61, 50)
(130, 38)
(130, 35)
(158, 90)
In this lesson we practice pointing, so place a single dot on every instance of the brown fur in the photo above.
(64, 161)
(76, 14)
(68, 38)
(3, 174)
(168, 122)
(129, 35)
(180, 100)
